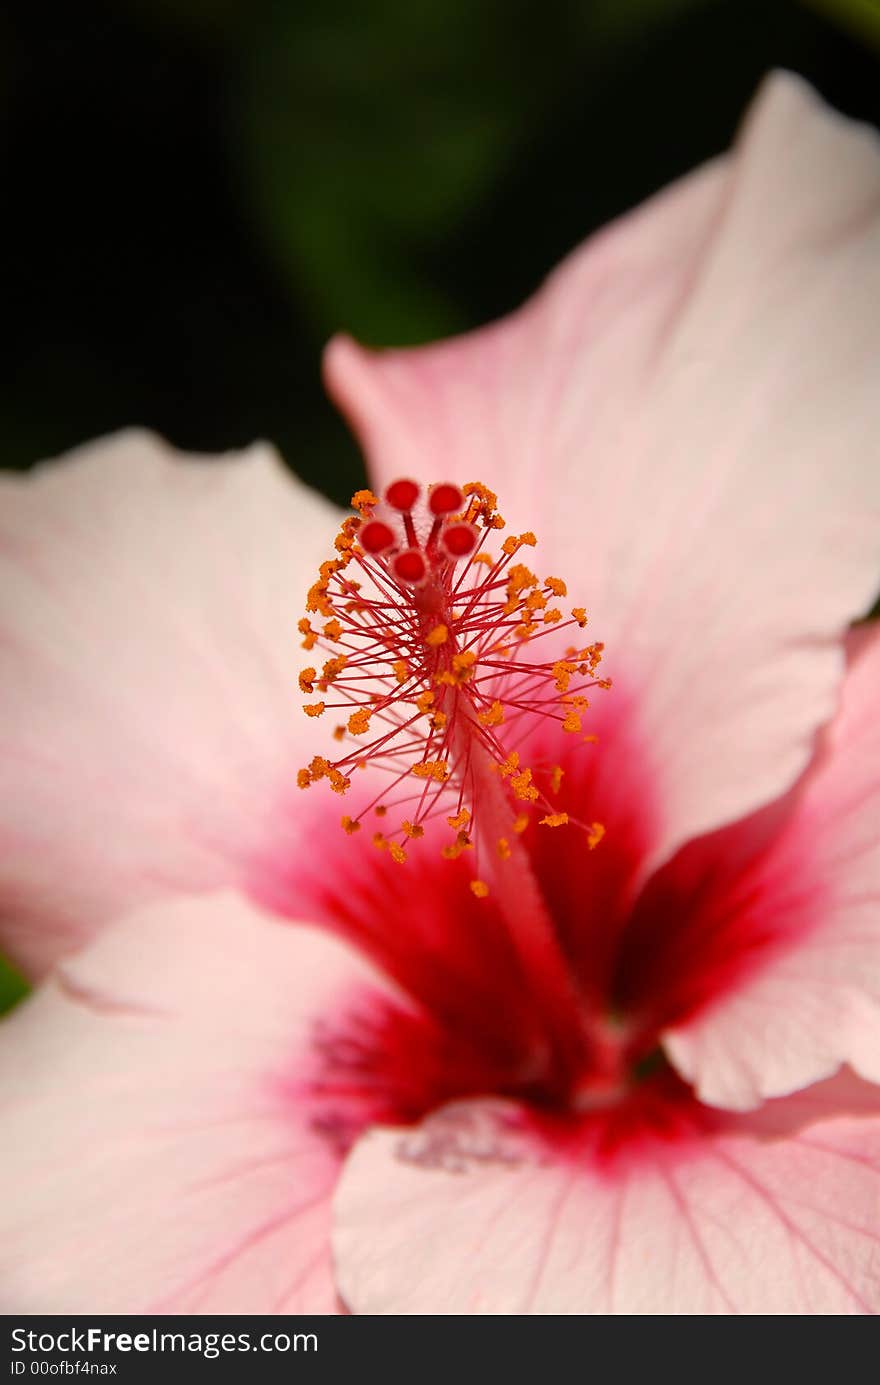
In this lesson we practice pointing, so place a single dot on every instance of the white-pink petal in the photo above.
(164, 1150)
(150, 731)
(817, 1003)
(468, 1216)
(687, 416)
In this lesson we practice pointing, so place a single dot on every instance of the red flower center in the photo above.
(531, 960)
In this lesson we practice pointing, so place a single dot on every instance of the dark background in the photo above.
(197, 193)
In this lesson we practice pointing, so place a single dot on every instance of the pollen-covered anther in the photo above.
(492, 716)
(396, 852)
(453, 850)
(331, 670)
(344, 541)
(502, 846)
(514, 542)
(579, 614)
(439, 635)
(359, 722)
(307, 680)
(350, 825)
(519, 578)
(595, 834)
(572, 723)
(313, 709)
(510, 765)
(460, 820)
(522, 786)
(303, 778)
(305, 628)
(331, 630)
(479, 888)
(400, 669)
(463, 665)
(554, 820)
(364, 502)
(556, 778)
(413, 830)
(317, 600)
(432, 769)
(556, 586)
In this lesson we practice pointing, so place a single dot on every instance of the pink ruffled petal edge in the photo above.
(817, 1002)
(472, 1213)
(685, 414)
(151, 731)
(173, 1149)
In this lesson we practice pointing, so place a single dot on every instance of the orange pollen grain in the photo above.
(493, 716)
(479, 888)
(432, 769)
(364, 502)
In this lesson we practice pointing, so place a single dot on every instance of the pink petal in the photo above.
(685, 415)
(174, 1150)
(477, 1213)
(816, 1002)
(148, 654)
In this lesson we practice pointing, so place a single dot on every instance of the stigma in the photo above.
(441, 652)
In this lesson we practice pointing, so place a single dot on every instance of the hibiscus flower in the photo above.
(272, 1069)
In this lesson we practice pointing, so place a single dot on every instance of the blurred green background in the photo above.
(198, 193)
